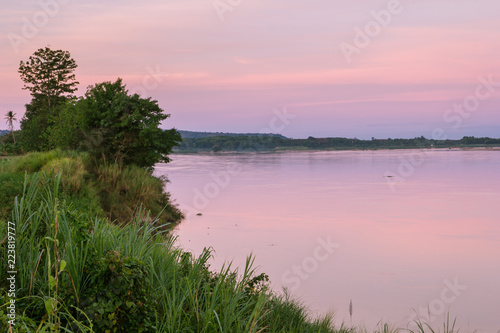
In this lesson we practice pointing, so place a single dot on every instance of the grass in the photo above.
(124, 190)
(448, 326)
(112, 191)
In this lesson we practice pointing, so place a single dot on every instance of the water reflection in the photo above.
(398, 244)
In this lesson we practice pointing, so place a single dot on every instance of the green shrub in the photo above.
(72, 169)
(34, 162)
(118, 297)
(11, 184)
(124, 190)
(9, 149)
(24, 324)
(288, 315)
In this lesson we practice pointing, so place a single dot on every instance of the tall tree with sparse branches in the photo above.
(11, 118)
(49, 76)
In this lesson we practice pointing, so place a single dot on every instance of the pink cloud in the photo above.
(267, 54)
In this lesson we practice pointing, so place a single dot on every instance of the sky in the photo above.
(322, 68)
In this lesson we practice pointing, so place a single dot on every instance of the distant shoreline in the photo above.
(300, 149)
(269, 143)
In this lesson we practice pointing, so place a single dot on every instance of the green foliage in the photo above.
(73, 171)
(47, 280)
(232, 143)
(117, 298)
(67, 127)
(114, 126)
(383, 327)
(49, 76)
(470, 140)
(128, 125)
(117, 192)
(11, 184)
(267, 143)
(34, 125)
(110, 124)
(123, 190)
(11, 117)
(257, 284)
(288, 315)
(424, 327)
(194, 135)
(9, 149)
(35, 161)
(24, 324)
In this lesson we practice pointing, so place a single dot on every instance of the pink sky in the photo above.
(230, 74)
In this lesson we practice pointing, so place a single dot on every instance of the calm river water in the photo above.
(393, 231)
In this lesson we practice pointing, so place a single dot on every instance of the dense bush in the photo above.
(8, 146)
(11, 184)
(123, 190)
(118, 296)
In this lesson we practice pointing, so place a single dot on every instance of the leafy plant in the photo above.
(118, 297)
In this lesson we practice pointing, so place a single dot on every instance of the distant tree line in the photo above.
(266, 143)
(196, 135)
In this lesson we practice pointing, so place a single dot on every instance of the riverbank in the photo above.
(105, 190)
(245, 143)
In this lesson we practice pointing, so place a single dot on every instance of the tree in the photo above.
(49, 76)
(125, 128)
(67, 129)
(11, 117)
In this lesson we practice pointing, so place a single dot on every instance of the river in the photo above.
(394, 231)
